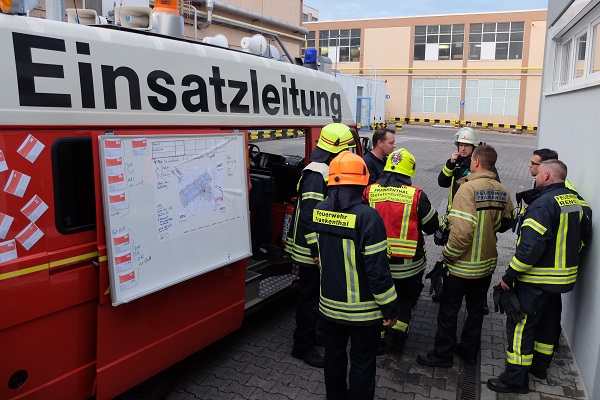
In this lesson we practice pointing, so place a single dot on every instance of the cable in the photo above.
(76, 12)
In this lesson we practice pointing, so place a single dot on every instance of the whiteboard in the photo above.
(174, 207)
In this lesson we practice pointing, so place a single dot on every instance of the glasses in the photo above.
(533, 163)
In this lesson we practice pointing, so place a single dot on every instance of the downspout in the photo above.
(210, 5)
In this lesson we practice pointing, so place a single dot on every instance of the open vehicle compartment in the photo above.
(275, 177)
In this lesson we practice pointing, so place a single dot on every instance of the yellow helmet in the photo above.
(335, 138)
(401, 162)
(348, 169)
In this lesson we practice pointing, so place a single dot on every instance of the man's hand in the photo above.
(503, 284)
(388, 323)
(454, 156)
(316, 261)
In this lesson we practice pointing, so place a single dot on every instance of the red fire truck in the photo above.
(107, 132)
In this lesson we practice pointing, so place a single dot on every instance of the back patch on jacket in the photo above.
(491, 195)
(334, 218)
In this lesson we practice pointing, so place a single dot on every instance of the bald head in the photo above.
(551, 171)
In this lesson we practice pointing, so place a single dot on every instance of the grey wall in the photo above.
(570, 124)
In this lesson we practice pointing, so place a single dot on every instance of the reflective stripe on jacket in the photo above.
(356, 283)
(478, 210)
(312, 188)
(406, 212)
(398, 209)
(554, 228)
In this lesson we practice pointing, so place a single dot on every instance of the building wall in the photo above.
(309, 13)
(234, 26)
(382, 42)
(568, 117)
(387, 47)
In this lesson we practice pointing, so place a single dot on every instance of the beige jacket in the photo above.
(481, 207)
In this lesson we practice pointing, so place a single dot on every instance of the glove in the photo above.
(511, 306)
(437, 275)
(496, 296)
(440, 237)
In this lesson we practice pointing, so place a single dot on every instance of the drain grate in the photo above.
(468, 385)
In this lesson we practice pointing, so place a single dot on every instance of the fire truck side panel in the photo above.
(135, 343)
(141, 338)
(57, 351)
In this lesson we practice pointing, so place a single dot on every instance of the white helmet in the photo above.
(466, 135)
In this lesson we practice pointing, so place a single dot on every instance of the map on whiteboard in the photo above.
(200, 190)
(190, 177)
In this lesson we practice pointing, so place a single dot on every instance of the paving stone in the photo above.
(555, 390)
(410, 388)
(441, 394)
(260, 394)
(260, 383)
(570, 392)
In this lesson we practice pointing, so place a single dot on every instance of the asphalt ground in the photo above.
(255, 362)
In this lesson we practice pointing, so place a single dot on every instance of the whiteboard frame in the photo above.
(119, 297)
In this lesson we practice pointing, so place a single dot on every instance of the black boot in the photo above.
(310, 356)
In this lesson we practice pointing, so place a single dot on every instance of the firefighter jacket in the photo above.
(555, 227)
(356, 284)
(481, 207)
(451, 173)
(312, 188)
(406, 212)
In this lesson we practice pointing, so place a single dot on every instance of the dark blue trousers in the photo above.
(364, 341)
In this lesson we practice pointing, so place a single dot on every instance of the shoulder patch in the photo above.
(566, 199)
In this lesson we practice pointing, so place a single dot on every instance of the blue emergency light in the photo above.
(310, 58)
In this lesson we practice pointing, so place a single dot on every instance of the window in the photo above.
(441, 96)
(304, 17)
(595, 56)
(340, 45)
(439, 42)
(73, 172)
(496, 41)
(310, 41)
(576, 52)
(565, 63)
(580, 60)
(492, 97)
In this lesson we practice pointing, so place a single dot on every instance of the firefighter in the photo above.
(357, 291)
(457, 167)
(312, 188)
(525, 198)
(481, 207)
(406, 213)
(556, 225)
(384, 142)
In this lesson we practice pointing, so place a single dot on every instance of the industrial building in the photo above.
(482, 68)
